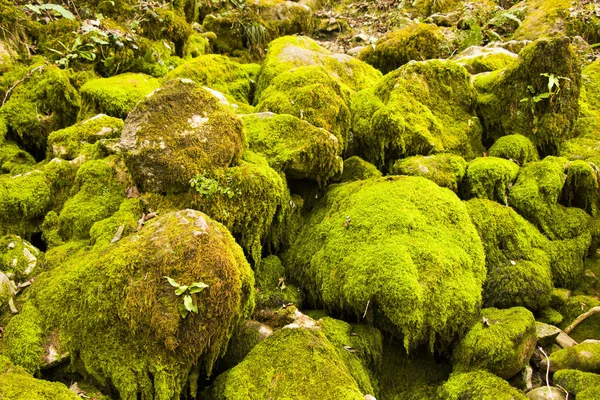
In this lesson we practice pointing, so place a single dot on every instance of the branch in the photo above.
(578, 320)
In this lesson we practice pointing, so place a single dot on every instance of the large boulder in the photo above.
(584, 357)
(478, 385)
(123, 322)
(575, 381)
(382, 249)
(179, 131)
(419, 109)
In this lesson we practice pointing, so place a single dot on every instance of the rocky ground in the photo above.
(266, 199)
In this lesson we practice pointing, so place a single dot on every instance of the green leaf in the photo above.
(182, 311)
(172, 282)
(35, 9)
(197, 287)
(63, 12)
(180, 290)
(188, 302)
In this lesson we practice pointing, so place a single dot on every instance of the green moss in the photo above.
(543, 18)
(478, 385)
(95, 196)
(203, 135)
(13, 160)
(446, 170)
(320, 369)
(408, 236)
(419, 109)
(581, 187)
(17, 384)
(84, 138)
(272, 290)
(490, 178)
(45, 101)
(24, 339)
(160, 23)
(356, 169)
(502, 346)
(516, 256)
(550, 316)
(590, 394)
(105, 231)
(416, 41)
(19, 258)
(575, 381)
(546, 121)
(115, 96)
(218, 73)
(295, 146)
(584, 357)
(482, 59)
(7, 57)
(573, 308)
(517, 148)
(119, 318)
(198, 45)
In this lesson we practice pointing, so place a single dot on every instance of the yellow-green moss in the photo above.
(482, 59)
(584, 357)
(575, 381)
(115, 96)
(516, 256)
(502, 342)
(24, 339)
(516, 148)
(478, 385)
(573, 308)
(355, 169)
(490, 178)
(272, 288)
(19, 258)
(421, 108)
(13, 160)
(416, 41)
(446, 170)
(411, 232)
(549, 316)
(587, 124)
(105, 231)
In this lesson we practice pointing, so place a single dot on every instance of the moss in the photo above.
(115, 96)
(198, 45)
(19, 258)
(13, 160)
(402, 223)
(45, 101)
(574, 307)
(589, 104)
(550, 316)
(516, 254)
(295, 146)
(575, 381)
(84, 138)
(119, 318)
(272, 291)
(218, 73)
(416, 41)
(482, 59)
(478, 385)
(95, 196)
(543, 18)
(320, 370)
(446, 170)
(203, 135)
(105, 231)
(581, 187)
(517, 148)
(419, 109)
(17, 384)
(26, 198)
(24, 339)
(356, 169)
(490, 178)
(546, 121)
(502, 348)
(160, 23)
(7, 57)
(584, 357)
(589, 394)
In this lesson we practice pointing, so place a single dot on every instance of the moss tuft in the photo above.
(517, 148)
(490, 178)
(575, 381)
(446, 170)
(478, 385)
(13, 160)
(356, 169)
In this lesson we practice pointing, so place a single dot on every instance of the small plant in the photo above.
(533, 99)
(208, 187)
(189, 302)
(79, 50)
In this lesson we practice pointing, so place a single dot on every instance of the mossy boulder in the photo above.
(304, 363)
(581, 187)
(583, 357)
(575, 381)
(518, 263)
(85, 138)
(120, 318)
(218, 73)
(17, 384)
(294, 146)
(411, 231)
(490, 178)
(416, 41)
(501, 342)
(447, 170)
(516, 148)
(272, 291)
(587, 124)
(478, 59)
(573, 307)
(537, 96)
(115, 96)
(202, 135)
(478, 385)
(19, 258)
(419, 109)
(355, 169)
(119, 225)
(43, 102)
(14, 160)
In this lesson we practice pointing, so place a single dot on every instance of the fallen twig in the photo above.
(582, 317)
(17, 83)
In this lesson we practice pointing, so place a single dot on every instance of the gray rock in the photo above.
(546, 334)
(543, 393)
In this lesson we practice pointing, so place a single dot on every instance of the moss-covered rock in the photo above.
(410, 231)
(516, 255)
(537, 96)
(120, 318)
(584, 357)
(447, 170)
(587, 124)
(19, 258)
(84, 138)
(218, 73)
(573, 307)
(581, 187)
(272, 291)
(416, 41)
(13, 160)
(421, 108)
(575, 381)
(115, 96)
(502, 342)
(478, 385)
(304, 363)
(202, 135)
(119, 225)
(295, 146)
(549, 316)
(356, 169)
(517, 148)
(490, 178)
(43, 102)
(17, 384)
(478, 59)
